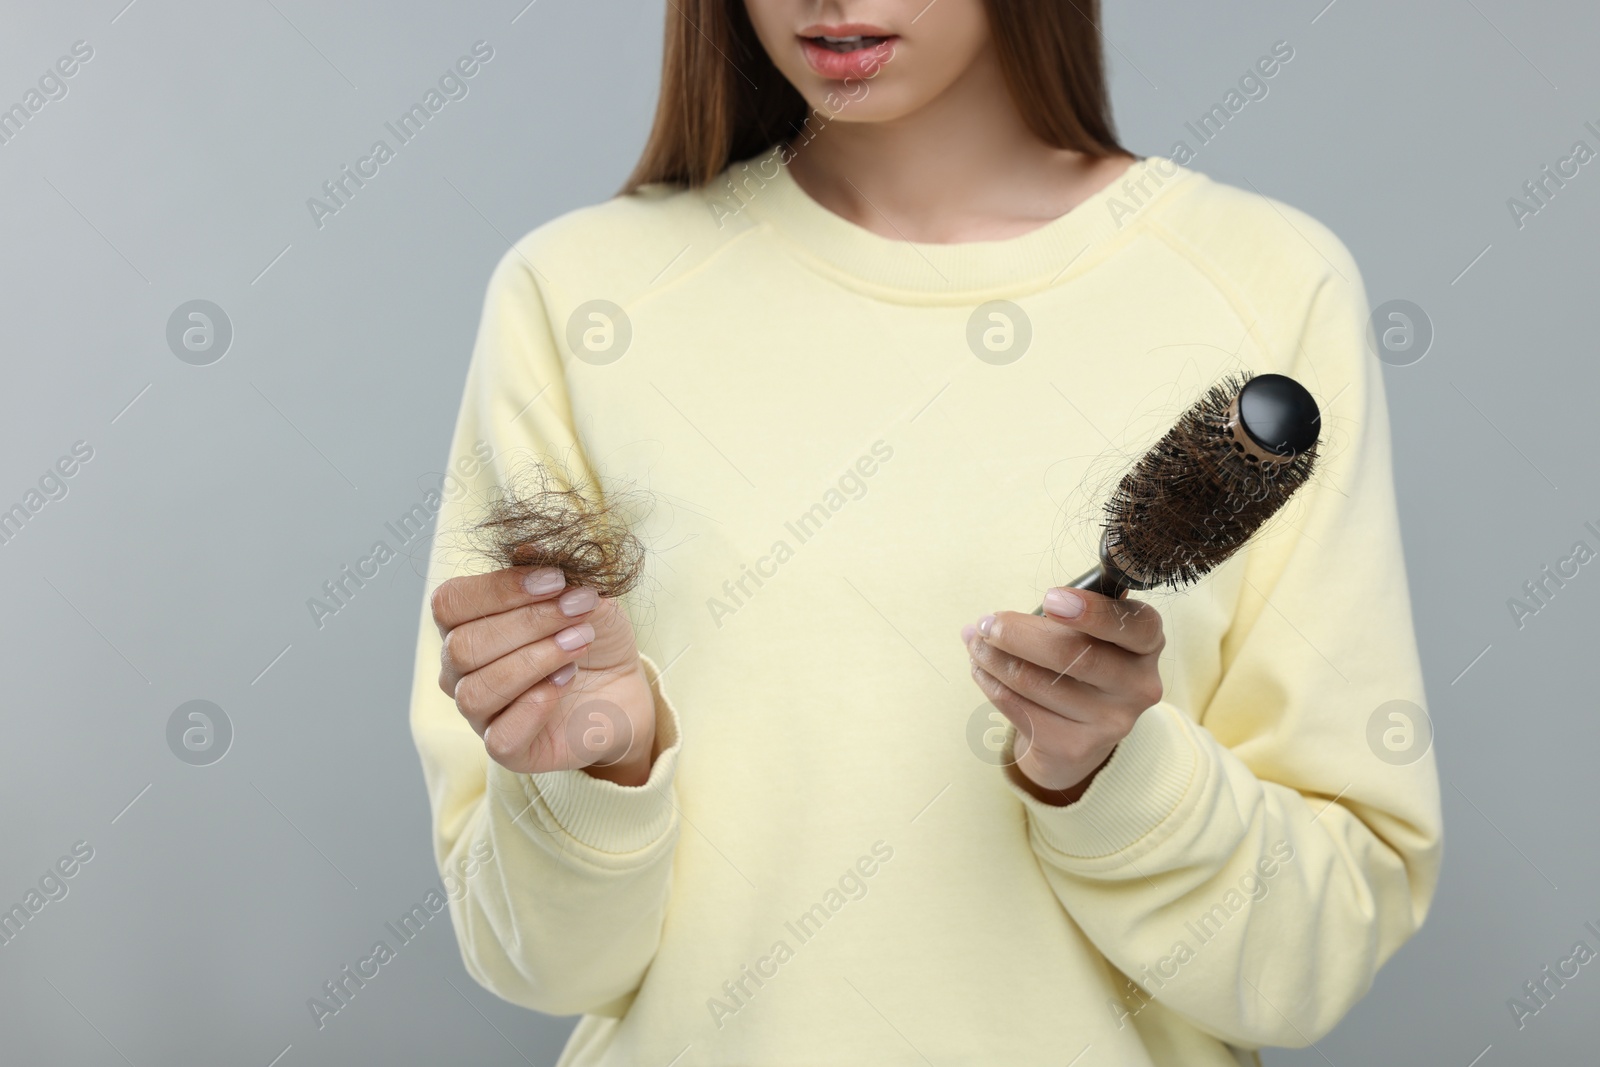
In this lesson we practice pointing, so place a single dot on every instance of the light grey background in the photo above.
(179, 564)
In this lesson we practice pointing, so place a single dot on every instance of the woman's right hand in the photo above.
(548, 675)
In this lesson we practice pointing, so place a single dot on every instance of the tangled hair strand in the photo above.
(543, 519)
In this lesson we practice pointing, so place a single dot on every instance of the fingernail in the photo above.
(1063, 602)
(575, 637)
(562, 675)
(579, 600)
(966, 633)
(544, 580)
(985, 624)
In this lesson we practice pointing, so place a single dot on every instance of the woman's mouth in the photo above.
(847, 52)
(846, 44)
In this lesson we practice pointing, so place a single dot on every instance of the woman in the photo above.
(883, 283)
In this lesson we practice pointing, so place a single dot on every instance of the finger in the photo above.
(476, 596)
(518, 737)
(473, 645)
(1060, 652)
(1131, 624)
(484, 693)
(1038, 726)
(1081, 691)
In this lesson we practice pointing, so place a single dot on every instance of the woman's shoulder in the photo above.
(619, 248)
(1251, 238)
(657, 211)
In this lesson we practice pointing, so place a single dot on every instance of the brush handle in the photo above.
(1105, 577)
(1099, 579)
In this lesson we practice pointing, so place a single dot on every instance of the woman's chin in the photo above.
(886, 104)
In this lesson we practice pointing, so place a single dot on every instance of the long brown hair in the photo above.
(723, 100)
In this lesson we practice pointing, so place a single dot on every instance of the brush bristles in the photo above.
(1194, 499)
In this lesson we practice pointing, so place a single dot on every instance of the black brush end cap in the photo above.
(1279, 414)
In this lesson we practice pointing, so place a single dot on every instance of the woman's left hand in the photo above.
(1073, 681)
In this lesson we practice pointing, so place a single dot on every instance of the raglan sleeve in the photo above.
(557, 881)
(1251, 863)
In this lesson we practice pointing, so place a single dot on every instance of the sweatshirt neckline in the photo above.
(1033, 260)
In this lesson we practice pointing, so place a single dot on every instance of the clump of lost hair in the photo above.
(544, 519)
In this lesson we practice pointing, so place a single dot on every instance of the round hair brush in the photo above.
(1194, 499)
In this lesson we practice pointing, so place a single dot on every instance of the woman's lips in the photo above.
(860, 63)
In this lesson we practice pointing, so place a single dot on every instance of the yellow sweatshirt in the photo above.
(852, 446)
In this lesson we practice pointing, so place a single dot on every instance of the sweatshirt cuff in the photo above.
(1137, 790)
(603, 815)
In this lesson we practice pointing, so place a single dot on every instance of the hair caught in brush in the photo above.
(544, 519)
(1201, 493)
